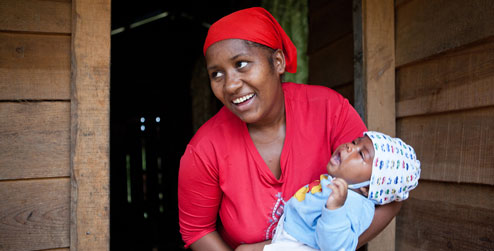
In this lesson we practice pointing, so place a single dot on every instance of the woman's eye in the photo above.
(241, 64)
(216, 74)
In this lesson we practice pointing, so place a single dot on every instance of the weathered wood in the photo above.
(457, 80)
(34, 214)
(379, 80)
(329, 21)
(453, 147)
(447, 216)
(34, 140)
(90, 125)
(333, 65)
(35, 16)
(425, 28)
(34, 66)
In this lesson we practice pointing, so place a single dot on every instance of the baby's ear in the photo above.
(365, 191)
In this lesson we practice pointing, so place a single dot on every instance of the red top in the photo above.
(222, 173)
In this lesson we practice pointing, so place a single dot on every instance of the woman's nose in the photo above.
(233, 83)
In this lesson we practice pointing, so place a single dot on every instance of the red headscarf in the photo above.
(255, 25)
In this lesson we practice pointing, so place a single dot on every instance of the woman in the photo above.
(268, 140)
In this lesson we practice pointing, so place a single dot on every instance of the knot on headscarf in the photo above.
(256, 25)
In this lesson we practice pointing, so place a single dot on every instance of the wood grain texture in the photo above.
(457, 80)
(333, 65)
(34, 214)
(90, 125)
(34, 66)
(378, 73)
(328, 22)
(447, 216)
(35, 16)
(454, 147)
(34, 140)
(425, 28)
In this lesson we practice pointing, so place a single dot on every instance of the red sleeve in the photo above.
(199, 196)
(347, 125)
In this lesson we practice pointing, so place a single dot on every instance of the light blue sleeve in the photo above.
(339, 229)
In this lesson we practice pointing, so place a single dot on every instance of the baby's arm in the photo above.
(343, 219)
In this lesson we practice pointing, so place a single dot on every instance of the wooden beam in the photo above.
(34, 214)
(425, 28)
(34, 66)
(447, 216)
(35, 140)
(457, 80)
(376, 87)
(90, 167)
(455, 146)
(35, 16)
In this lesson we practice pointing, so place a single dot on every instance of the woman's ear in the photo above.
(279, 61)
(365, 191)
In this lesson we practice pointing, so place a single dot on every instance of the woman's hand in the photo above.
(253, 247)
(338, 194)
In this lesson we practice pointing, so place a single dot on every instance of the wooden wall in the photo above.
(53, 115)
(445, 109)
(330, 47)
(35, 42)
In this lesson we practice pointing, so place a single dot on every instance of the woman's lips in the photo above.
(243, 99)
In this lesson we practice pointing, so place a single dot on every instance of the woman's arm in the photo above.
(382, 217)
(211, 241)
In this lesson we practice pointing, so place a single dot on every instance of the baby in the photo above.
(327, 215)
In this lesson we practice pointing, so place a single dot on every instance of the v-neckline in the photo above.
(263, 168)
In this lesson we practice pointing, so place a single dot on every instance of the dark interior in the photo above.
(151, 113)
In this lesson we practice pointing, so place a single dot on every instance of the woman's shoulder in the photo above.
(311, 92)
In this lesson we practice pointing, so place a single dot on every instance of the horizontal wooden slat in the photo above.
(34, 139)
(34, 214)
(453, 147)
(34, 66)
(333, 65)
(36, 15)
(447, 216)
(329, 21)
(425, 28)
(461, 79)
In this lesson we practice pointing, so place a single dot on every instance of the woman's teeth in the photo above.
(243, 99)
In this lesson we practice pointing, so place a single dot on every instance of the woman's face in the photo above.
(352, 161)
(246, 81)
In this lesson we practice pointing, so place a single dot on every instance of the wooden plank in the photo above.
(378, 82)
(328, 22)
(447, 216)
(454, 147)
(425, 28)
(458, 80)
(90, 109)
(34, 214)
(34, 140)
(34, 66)
(35, 16)
(333, 65)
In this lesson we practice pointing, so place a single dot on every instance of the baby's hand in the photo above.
(338, 195)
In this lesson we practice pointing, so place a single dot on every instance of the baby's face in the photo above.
(352, 161)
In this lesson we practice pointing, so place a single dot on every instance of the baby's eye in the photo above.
(361, 154)
(241, 64)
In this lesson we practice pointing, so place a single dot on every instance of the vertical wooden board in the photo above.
(447, 216)
(34, 214)
(328, 22)
(378, 82)
(461, 79)
(34, 66)
(52, 16)
(453, 147)
(333, 65)
(90, 125)
(425, 28)
(34, 140)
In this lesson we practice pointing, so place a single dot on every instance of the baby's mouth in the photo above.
(335, 159)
